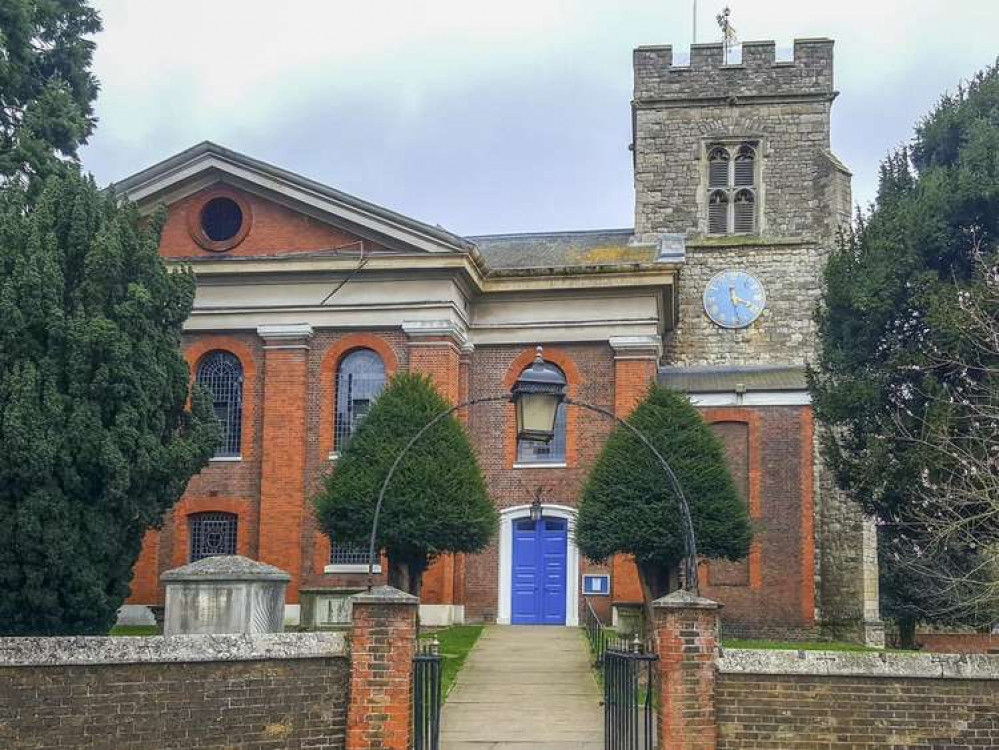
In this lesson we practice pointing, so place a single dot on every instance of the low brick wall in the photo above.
(959, 643)
(265, 691)
(811, 699)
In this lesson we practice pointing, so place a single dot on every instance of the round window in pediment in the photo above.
(220, 220)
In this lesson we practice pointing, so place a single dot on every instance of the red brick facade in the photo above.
(287, 446)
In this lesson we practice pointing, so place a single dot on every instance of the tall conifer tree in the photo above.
(98, 441)
(437, 501)
(46, 87)
(902, 371)
(629, 507)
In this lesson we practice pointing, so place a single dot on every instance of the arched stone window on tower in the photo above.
(360, 379)
(552, 452)
(732, 189)
(211, 534)
(221, 373)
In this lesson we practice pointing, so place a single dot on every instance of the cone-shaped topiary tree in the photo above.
(629, 507)
(97, 438)
(437, 501)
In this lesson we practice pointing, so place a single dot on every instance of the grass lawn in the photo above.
(456, 642)
(134, 630)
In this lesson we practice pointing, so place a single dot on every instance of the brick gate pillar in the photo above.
(282, 468)
(382, 647)
(686, 630)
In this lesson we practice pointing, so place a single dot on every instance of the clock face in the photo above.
(734, 299)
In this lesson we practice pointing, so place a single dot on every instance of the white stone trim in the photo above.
(541, 465)
(636, 347)
(416, 329)
(225, 459)
(507, 517)
(753, 398)
(284, 331)
(352, 568)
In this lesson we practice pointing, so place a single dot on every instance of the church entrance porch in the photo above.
(538, 576)
(538, 567)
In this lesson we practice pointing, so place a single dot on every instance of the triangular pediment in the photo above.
(327, 218)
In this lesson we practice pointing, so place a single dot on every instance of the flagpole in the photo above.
(694, 40)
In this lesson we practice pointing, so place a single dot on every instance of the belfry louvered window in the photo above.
(211, 534)
(359, 380)
(732, 189)
(537, 452)
(222, 375)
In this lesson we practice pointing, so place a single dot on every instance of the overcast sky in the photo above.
(484, 117)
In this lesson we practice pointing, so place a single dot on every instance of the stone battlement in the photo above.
(758, 75)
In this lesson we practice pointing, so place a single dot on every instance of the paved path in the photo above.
(525, 688)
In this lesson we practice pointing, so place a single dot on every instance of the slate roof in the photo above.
(729, 379)
(601, 247)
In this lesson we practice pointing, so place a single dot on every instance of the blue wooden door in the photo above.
(539, 572)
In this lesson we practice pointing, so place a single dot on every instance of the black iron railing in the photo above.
(631, 698)
(427, 696)
(596, 634)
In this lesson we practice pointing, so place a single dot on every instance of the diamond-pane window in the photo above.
(538, 452)
(212, 534)
(359, 380)
(222, 375)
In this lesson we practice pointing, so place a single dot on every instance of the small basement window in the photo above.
(221, 219)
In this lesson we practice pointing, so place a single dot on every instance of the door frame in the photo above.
(517, 512)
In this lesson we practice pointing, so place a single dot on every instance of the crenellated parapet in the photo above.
(758, 76)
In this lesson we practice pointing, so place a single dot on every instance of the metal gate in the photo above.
(631, 697)
(427, 696)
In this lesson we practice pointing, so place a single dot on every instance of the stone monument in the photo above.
(224, 594)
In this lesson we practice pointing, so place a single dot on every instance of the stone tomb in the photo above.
(224, 594)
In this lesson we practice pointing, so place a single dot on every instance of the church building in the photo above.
(309, 299)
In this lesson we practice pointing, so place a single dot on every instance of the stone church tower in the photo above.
(733, 161)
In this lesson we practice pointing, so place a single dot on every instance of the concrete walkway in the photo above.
(525, 688)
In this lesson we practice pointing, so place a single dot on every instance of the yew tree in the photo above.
(98, 441)
(437, 501)
(628, 506)
(906, 382)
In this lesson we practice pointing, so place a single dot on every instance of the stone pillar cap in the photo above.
(226, 568)
(683, 599)
(384, 595)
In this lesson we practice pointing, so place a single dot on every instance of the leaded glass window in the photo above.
(212, 534)
(538, 452)
(359, 380)
(732, 188)
(222, 374)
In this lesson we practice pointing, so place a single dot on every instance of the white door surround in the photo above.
(507, 517)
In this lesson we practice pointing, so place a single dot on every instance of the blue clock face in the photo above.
(734, 299)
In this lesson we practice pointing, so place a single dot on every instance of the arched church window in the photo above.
(221, 373)
(537, 452)
(359, 380)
